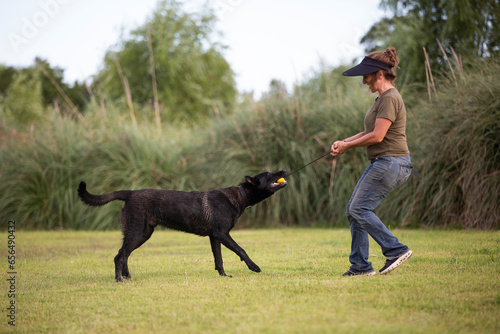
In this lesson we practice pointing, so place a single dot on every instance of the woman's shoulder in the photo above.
(391, 93)
(391, 96)
(390, 102)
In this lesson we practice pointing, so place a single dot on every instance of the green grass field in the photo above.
(65, 284)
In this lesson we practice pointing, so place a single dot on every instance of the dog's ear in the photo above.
(251, 180)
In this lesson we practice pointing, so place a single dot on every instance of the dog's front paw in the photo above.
(223, 274)
(253, 267)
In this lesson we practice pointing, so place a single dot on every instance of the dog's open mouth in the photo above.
(281, 182)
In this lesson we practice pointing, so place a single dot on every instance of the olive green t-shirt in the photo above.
(389, 105)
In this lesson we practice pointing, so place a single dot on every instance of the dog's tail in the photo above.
(98, 200)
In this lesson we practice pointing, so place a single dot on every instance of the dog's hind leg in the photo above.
(120, 259)
(215, 243)
(136, 244)
(119, 263)
(227, 241)
(131, 242)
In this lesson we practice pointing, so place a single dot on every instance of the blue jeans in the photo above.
(383, 175)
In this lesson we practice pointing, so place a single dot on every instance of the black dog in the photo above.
(205, 213)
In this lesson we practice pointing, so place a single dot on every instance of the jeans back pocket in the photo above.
(404, 174)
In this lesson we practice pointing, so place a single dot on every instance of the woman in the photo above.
(390, 165)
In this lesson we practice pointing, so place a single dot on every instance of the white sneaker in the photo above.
(390, 265)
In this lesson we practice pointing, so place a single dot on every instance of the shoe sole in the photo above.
(370, 273)
(402, 259)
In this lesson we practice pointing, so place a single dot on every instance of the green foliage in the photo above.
(458, 138)
(193, 78)
(27, 95)
(470, 26)
(23, 102)
(279, 132)
(6, 77)
(77, 93)
(40, 175)
(284, 130)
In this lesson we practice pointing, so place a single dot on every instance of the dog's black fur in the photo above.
(205, 213)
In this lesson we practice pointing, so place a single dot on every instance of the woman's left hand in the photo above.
(338, 148)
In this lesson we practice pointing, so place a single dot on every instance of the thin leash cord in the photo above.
(321, 157)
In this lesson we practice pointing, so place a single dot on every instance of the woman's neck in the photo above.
(385, 87)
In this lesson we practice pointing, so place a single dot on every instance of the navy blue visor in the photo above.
(368, 65)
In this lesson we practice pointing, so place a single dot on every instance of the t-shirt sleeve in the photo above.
(388, 108)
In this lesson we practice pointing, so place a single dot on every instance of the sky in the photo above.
(273, 39)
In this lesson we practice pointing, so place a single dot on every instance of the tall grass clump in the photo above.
(454, 139)
(41, 172)
(458, 150)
